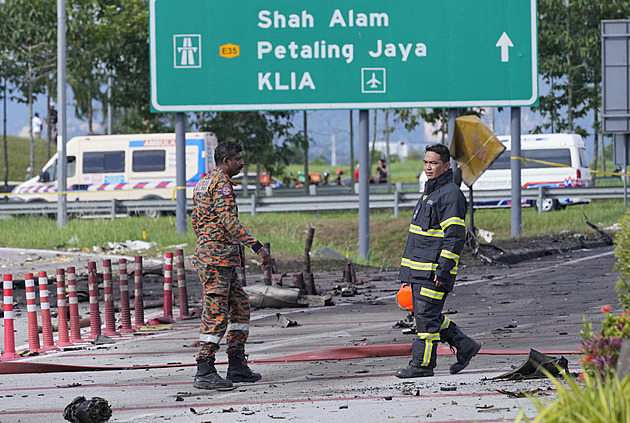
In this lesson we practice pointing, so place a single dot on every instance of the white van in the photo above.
(122, 167)
(549, 160)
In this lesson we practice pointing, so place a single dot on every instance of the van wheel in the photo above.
(152, 213)
(548, 204)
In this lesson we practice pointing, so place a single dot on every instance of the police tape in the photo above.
(600, 172)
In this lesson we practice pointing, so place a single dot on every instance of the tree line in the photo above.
(110, 38)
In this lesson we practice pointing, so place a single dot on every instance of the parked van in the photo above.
(122, 167)
(549, 160)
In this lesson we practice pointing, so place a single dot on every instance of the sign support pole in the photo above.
(364, 189)
(62, 160)
(515, 166)
(180, 176)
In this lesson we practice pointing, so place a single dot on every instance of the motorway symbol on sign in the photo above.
(299, 54)
(187, 51)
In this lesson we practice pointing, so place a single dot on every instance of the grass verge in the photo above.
(286, 232)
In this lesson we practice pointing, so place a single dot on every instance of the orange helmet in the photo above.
(404, 298)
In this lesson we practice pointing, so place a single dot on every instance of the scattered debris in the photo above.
(80, 410)
(607, 239)
(518, 394)
(102, 340)
(486, 235)
(285, 322)
(448, 388)
(123, 246)
(261, 296)
(491, 409)
(348, 291)
(70, 385)
(192, 410)
(178, 398)
(534, 365)
(155, 327)
(160, 320)
(615, 227)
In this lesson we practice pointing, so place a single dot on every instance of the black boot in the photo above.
(415, 368)
(207, 376)
(238, 371)
(465, 346)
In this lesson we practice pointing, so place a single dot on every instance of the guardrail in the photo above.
(312, 203)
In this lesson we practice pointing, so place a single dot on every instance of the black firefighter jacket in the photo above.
(437, 233)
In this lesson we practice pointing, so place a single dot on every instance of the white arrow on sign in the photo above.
(505, 43)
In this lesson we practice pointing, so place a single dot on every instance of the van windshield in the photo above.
(50, 173)
(560, 156)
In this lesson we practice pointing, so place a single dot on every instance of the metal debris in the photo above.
(102, 340)
(534, 365)
(285, 322)
(80, 410)
(518, 394)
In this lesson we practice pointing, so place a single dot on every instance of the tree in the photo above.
(256, 132)
(123, 37)
(29, 31)
(569, 52)
(411, 118)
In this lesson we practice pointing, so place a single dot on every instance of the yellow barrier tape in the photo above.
(175, 190)
(524, 160)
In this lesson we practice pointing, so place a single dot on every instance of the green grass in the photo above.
(401, 171)
(18, 153)
(286, 232)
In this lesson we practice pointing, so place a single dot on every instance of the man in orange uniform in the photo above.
(218, 252)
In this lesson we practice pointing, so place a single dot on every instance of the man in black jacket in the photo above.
(436, 238)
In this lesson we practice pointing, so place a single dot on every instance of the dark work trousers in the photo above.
(428, 302)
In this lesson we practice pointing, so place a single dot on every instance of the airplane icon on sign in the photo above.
(373, 80)
(374, 83)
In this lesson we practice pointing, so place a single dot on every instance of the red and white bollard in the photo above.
(108, 291)
(44, 301)
(168, 285)
(125, 314)
(73, 300)
(62, 310)
(95, 314)
(139, 303)
(9, 336)
(31, 310)
(181, 283)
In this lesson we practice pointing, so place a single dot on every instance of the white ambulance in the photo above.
(122, 167)
(548, 160)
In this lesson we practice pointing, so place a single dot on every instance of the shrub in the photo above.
(601, 350)
(622, 252)
(599, 400)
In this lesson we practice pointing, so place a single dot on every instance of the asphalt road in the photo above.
(338, 363)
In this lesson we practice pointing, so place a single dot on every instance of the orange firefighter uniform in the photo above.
(217, 253)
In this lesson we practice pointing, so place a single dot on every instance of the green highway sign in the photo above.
(210, 55)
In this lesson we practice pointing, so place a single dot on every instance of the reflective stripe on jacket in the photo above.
(437, 233)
